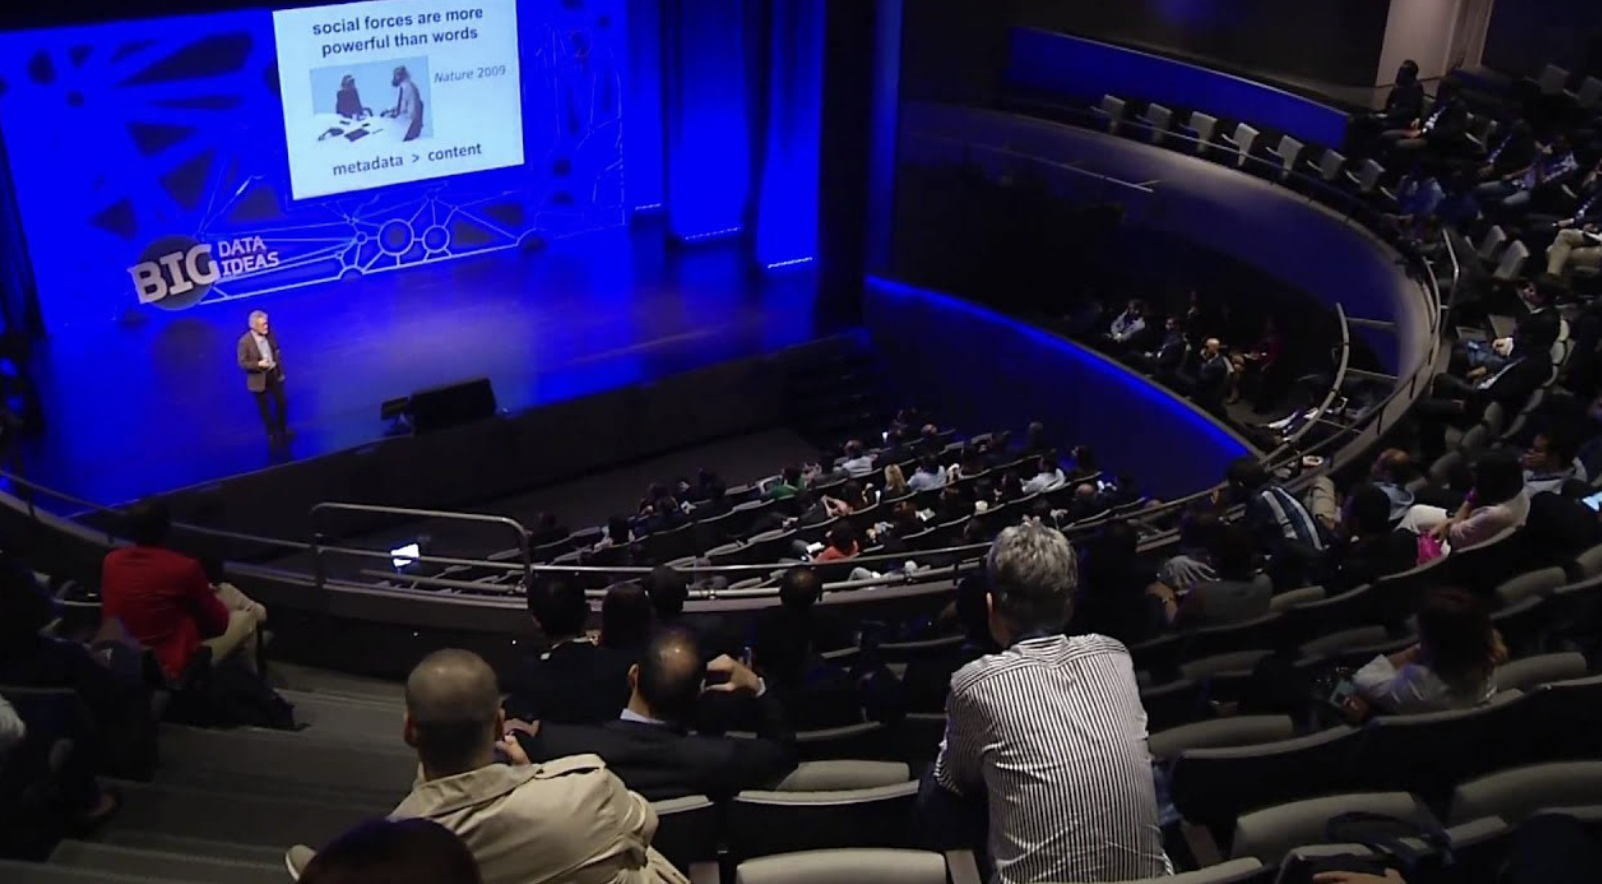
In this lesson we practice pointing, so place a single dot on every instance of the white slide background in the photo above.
(462, 55)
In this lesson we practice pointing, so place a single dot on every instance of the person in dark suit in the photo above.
(1462, 403)
(651, 747)
(575, 682)
(261, 359)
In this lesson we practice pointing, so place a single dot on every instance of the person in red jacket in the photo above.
(166, 603)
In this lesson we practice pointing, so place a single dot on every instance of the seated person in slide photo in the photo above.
(408, 105)
(348, 103)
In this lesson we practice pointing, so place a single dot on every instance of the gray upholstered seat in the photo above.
(1515, 794)
(837, 775)
(1271, 833)
(852, 866)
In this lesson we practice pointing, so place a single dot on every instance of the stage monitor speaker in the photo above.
(440, 408)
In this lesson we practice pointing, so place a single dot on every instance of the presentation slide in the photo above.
(391, 91)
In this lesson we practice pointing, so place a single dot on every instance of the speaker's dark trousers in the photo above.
(269, 399)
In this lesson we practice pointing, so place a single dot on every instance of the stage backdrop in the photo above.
(154, 168)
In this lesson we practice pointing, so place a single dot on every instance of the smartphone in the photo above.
(1594, 502)
(1344, 689)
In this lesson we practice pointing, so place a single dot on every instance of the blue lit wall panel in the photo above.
(787, 216)
(1084, 70)
(123, 134)
(708, 143)
(982, 370)
(642, 148)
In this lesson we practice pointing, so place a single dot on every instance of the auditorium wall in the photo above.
(955, 48)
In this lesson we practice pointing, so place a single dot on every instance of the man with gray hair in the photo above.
(1049, 733)
(570, 819)
(262, 361)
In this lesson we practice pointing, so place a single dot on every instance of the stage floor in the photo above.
(140, 408)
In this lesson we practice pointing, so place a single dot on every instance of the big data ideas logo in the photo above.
(175, 272)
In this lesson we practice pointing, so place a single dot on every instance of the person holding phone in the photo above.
(1453, 665)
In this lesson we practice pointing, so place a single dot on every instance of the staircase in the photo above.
(227, 804)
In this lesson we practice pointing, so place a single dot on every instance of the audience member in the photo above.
(1239, 594)
(1066, 775)
(619, 531)
(788, 485)
(568, 819)
(842, 544)
(1550, 464)
(1367, 546)
(1048, 476)
(651, 747)
(1114, 597)
(1404, 103)
(1552, 165)
(626, 618)
(1278, 522)
(164, 600)
(895, 483)
(381, 851)
(1451, 667)
(1128, 324)
(929, 476)
(849, 499)
(1192, 564)
(669, 590)
(12, 730)
(575, 680)
(787, 648)
(1497, 502)
(858, 462)
(1577, 246)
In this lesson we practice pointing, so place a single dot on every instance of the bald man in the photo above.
(650, 745)
(569, 819)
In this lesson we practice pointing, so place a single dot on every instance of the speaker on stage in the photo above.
(451, 405)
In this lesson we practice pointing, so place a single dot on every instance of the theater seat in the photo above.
(838, 774)
(1241, 730)
(1532, 672)
(767, 823)
(1430, 753)
(1212, 787)
(1268, 835)
(688, 832)
(859, 866)
(1515, 794)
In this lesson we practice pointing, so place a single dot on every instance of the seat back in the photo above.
(1268, 834)
(1259, 632)
(866, 740)
(1345, 611)
(1531, 584)
(768, 823)
(1113, 107)
(840, 774)
(1214, 786)
(1173, 704)
(687, 831)
(1491, 243)
(1563, 720)
(1205, 126)
(1290, 150)
(1369, 175)
(1245, 137)
(1515, 794)
(1239, 730)
(1159, 118)
(1429, 753)
(1552, 80)
(1530, 673)
(1589, 94)
(833, 866)
(1512, 262)
(1286, 600)
(1330, 166)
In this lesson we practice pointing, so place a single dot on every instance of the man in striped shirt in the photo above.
(1050, 733)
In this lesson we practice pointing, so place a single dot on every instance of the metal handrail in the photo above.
(318, 547)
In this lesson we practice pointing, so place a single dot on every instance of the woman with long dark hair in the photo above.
(1452, 666)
